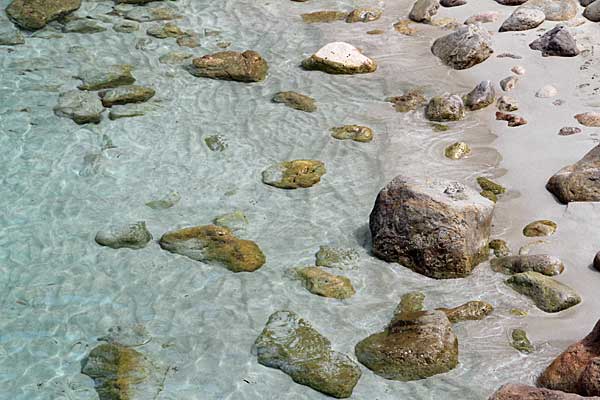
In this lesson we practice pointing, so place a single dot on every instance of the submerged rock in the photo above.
(324, 16)
(556, 42)
(487, 184)
(128, 111)
(480, 97)
(9, 35)
(340, 58)
(293, 346)
(520, 341)
(296, 100)
(464, 48)
(294, 174)
(111, 77)
(36, 14)
(523, 18)
(248, 66)
(548, 294)
(353, 132)
(212, 243)
(448, 107)
(404, 27)
(83, 25)
(410, 302)
(235, 221)
(133, 236)
(542, 227)
(414, 346)
(542, 263)
(126, 26)
(364, 14)
(215, 143)
(424, 10)
(81, 107)
(164, 31)
(325, 284)
(125, 95)
(512, 391)
(409, 101)
(167, 201)
(470, 311)
(437, 228)
(575, 369)
(457, 151)
(174, 57)
(148, 14)
(337, 257)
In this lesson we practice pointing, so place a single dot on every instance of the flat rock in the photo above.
(113, 76)
(36, 14)
(296, 100)
(340, 58)
(436, 227)
(542, 263)
(447, 107)
(148, 14)
(512, 391)
(83, 25)
(512, 119)
(81, 107)
(294, 174)
(164, 31)
(248, 66)
(542, 227)
(133, 236)
(453, 3)
(480, 97)
(465, 47)
(174, 57)
(579, 181)
(357, 133)
(126, 26)
(323, 283)
(523, 18)
(424, 10)
(556, 42)
(9, 35)
(292, 345)
(548, 294)
(471, 311)
(125, 95)
(337, 257)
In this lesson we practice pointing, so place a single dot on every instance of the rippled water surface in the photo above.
(60, 291)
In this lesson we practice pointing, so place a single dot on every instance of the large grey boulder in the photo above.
(556, 42)
(436, 227)
(578, 182)
(469, 45)
(36, 14)
(292, 345)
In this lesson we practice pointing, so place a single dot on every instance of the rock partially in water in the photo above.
(487, 184)
(339, 58)
(548, 294)
(436, 227)
(523, 18)
(573, 371)
(556, 10)
(409, 101)
(539, 228)
(353, 132)
(129, 110)
(126, 26)
(235, 221)
(296, 100)
(512, 391)
(148, 14)
(337, 257)
(168, 201)
(556, 42)
(9, 35)
(410, 302)
(325, 284)
(292, 345)
(83, 25)
(324, 16)
(424, 10)
(364, 14)
(480, 97)
(465, 47)
(457, 151)
(81, 107)
(248, 66)
(520, 341)
(111, 77)
(36, 14)
(404, 27)
(190, 40)
(500, 248)
(591, 119)
(164, 31)
(542, 263)
(414, 346)
(471, 311)
(447, 107)
(294, 174)
(217, 244)
(125, 95)
(133, 236)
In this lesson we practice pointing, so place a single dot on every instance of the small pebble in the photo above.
(519, 70)
(569, 130)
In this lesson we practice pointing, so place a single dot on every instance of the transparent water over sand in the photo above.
(61, 291)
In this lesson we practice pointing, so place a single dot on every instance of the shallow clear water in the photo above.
(61, 291)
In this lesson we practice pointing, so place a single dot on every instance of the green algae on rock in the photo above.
(215, 142)
(404, 27)
(111, 77)
(353, 132)
(542, 263)
(548, 294)
(126, 95)
(36, 14)
(292, 345)
(517, 312)
(81, 107)
(447, 107)
(500, 248)
(457, 151)
(520, 341)
(439, 127)
(364, 14)
(487, 184)
(410, 302)
(539, 228)
(339, 58)
(324, 284)
(235, 221)
(294, 174)
(409, 101)
(217, 244)
(248, 66)
(324, 16)
(336, 257)
(133, 236)
(471, 311)
(488, 194)
(296, 100)
(164, 31)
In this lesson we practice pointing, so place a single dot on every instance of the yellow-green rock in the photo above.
(542, 227)
(470, 311)
(324, 16)
(457, 151)
(353, 132)
(294, 174)
(324, 284)
(489, 185)
(364, 14)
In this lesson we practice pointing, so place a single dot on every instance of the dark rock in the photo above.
(453, 3)
(556, 42)
(512, 119)
(592, 12)
(596, 263)
(513, 391)
(36, 14)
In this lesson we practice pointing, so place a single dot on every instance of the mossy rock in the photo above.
(540, 228)
(294, 174)
(470, 311)
(488, 194)
(457, 150)
(336, 257)
(353, 132)
(324, 284)
(439, 127)
(212, 243)
(500, 248)
(548, 294)
(296, 100)
(215, 142)
(448, 107)
(248, 66)
(36, 14)
(324, 16)
(489, 185)
(520, 341)
(404, 27)
(410, 302)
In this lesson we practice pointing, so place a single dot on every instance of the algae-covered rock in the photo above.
(164, 31)
(542, 227)
(414, 346)
(81, 107)
(457, 150)
(337, 257)
(125, 95)
(217, 244)
(500, 248)
(292, 345)
(339, 58)
(520, 341)
(465, 47)
(488, 194)
(324, 284)
(364, 14)
(548, 294)
(113, 76)
(542, 263)
(470, 311)
(409, 101)
(248, 66)
(294, 174)
(168, 201)
(324, 16)
(487, 184)
(410, 302)
(448, 107)
(133, 236)
(235, 221)
(353, 132)
(296, 100)
(35, 14)
(215, 142)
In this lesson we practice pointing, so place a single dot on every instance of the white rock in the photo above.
(547, 91)
(340, 58)
(518, 69)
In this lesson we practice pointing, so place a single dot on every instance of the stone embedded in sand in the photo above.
(465, 47)
(81, 107)
(83, 25)
(410, 302)
(414, 346)
(591, 119)
(513, 391)
(569, 130)
(292, 345)
(324, 16)
(424, 10)
(457, 151)
(487, 184)
(556, 42)
(113, 76)
(404, 27)
(435, 227)
(133, 236)
(480, 97)
(592, 11)
(523, 18)
(164, 31)
(571, 371)
(511, 2)
(542, 263)
(507, 104)
(409, 101)
(126, 26)
(364, 14)
(546, 91)
(125, 95)
(509, 83)
(336, 257)
(217, 244)
(235, 221)
(340, 58)
(512, 119)
(548, 294)
(325, 284)
(353, 132)
(556, 10)
(471, 311)
(447, 107)
(539, 228)
(296, 100)
(36, 14)
(520, 341)
(500, 248)
(294, 174)
(596, 263)
(248, 66)
(483, 18)
(578, 182)
(148, 14)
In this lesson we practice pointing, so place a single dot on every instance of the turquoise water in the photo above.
(61, 184)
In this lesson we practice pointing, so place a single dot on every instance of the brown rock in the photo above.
(512, 391)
